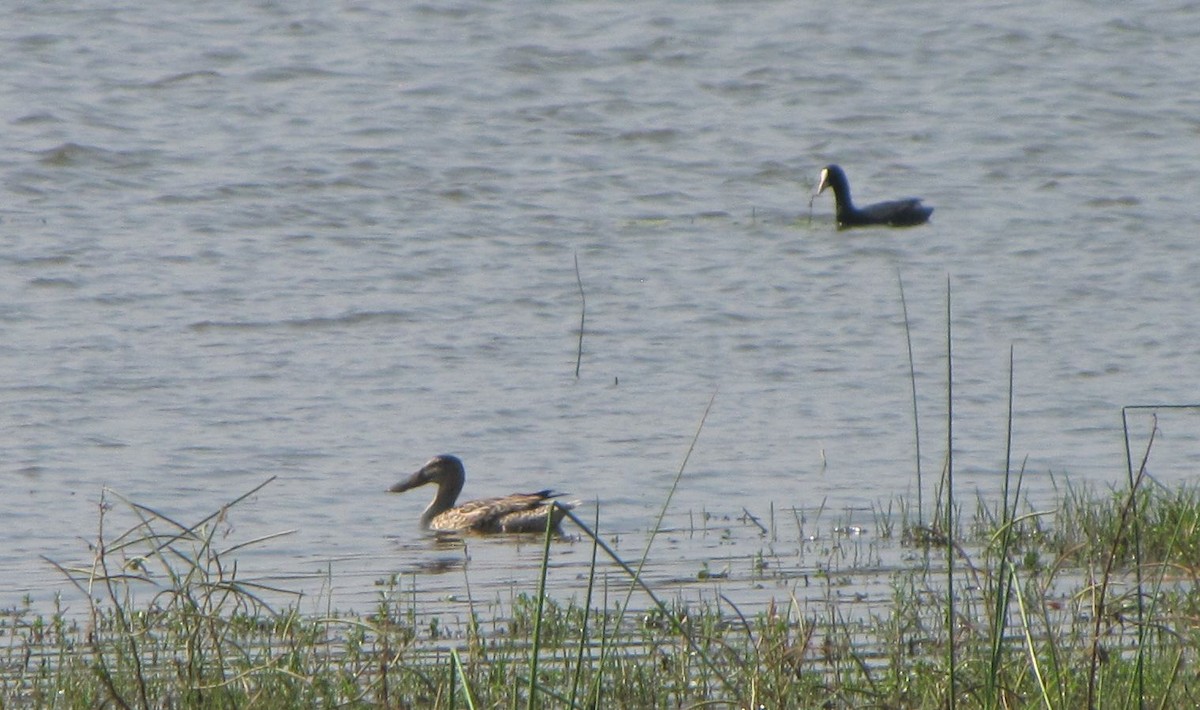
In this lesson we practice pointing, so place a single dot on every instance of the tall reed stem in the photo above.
(952, 700)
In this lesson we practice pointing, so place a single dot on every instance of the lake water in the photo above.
(326, 241)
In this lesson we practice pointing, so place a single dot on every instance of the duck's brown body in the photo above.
(513, 513)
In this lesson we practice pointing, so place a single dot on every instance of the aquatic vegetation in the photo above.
(170, 624)
(1088, 602)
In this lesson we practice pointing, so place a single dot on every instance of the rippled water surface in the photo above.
(325, 241)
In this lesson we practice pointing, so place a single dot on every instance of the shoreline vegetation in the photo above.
(1090, 602)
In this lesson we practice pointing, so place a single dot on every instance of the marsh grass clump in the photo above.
(170, 624)
(1168, 526)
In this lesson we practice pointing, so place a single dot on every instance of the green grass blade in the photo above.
(587, 610)
(461, 676)
(1027, 628)
(541, 606)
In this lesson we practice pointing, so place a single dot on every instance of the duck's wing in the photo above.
(488, 515)
(533, 520)
(897, 213)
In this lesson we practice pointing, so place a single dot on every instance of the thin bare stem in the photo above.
(912, 378)
(1099, 613)
(582, 315)
(1137, 538)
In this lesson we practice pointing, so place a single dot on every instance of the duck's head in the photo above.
(444, 470)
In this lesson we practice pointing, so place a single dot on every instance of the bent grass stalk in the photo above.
(1031, 645)
(638, 582)
(1099, 611)
(636, 575)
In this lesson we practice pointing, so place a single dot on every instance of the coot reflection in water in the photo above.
(896, 213)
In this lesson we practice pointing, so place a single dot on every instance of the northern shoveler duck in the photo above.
(514, 513)
(897, 213)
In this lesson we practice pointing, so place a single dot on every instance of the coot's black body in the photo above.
(897, 213)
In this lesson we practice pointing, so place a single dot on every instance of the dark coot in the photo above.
(897, 213)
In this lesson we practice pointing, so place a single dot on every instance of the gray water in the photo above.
(326, 241)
